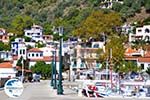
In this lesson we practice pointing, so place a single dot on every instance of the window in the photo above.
(142, 66)
(20, 51)
(41, 54)
(82, 64)
(28, 33)
(37, 55)
(29, 54)
(32, 54)
(74, 64)
(96, 46)
(7, 55)
(23, 51)
(147, 30)
(38, 33)
(13, 50)
(139, 30)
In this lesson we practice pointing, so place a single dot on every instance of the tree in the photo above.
(117, 6)
(128, 66)
(42, 68)
(24, 62)
(148, 71)
(5, 47)
(19, 62)
(19, 23)
(39, 44)
(27, 39)
(147, 5)
(115, 43)
(97, 23)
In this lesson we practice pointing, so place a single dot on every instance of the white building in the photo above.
(144, 62)
(6, 55)
(7, 70)
(141, 57)
(142, 33)
(127, 28)
(35, 33)
(31, 44)
(108, 3)
(47, 38)
(98, 44)
(19, 48)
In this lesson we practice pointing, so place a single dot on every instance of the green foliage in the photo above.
(117, 7)
(27, 39)
(19, 23)
(148, 71)
(5, 47)
(147, 21)
(116, 44)
(39, 44)
(15, 15)
(147, 5)
(128, 66)
(19, 62)
(42, 68)
(98, 23)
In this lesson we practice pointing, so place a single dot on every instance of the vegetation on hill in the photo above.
(19, 14)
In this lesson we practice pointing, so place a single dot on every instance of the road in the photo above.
(43, 91)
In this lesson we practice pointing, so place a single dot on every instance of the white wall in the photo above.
(146, 65)
(6, 72)
(47, 51)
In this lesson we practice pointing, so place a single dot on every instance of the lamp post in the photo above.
(52, 78)
(55, 82)
(22, 74)
(60, 87)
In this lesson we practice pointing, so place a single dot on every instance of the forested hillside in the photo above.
(15, 15)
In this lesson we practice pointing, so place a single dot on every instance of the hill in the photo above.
(15, 15)
(139, 17)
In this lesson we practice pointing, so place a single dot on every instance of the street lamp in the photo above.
(52, 78)
(60, 87)
(55, 82)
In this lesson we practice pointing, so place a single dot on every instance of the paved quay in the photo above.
(43, 91)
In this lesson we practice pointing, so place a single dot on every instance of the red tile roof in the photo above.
(34, 50)
(144, 59)
(45, 58)
(147, 54)
(131, 58)
(130, 50)
(6, 65)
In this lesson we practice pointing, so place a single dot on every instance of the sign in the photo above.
(13, 88)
